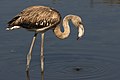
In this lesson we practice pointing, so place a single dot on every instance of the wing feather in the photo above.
(36, 17)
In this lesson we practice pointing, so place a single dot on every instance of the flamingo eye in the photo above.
(80, 23)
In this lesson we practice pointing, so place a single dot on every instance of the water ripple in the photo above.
(81, 67)
(73, 67)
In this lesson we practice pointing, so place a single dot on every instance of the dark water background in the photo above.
(97, 54)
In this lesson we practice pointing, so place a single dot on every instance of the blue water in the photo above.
(97, 54)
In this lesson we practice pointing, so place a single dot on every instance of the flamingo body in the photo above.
(35, 18)
(41, 19)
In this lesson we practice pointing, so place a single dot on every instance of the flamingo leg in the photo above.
(29, 55)
(42, 54)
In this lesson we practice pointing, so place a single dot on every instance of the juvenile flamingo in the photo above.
(39, 19)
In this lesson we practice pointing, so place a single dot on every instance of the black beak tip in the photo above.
(78, 38)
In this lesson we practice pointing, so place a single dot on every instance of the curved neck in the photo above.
(76, 20)
(66, 27)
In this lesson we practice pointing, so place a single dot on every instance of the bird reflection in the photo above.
(42, 75)
(39, 19)
(28, 75)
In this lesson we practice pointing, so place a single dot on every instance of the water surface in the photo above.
(96, 55)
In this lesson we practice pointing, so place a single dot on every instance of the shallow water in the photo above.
(95, 57)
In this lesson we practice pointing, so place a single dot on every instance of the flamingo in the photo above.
(39, 19)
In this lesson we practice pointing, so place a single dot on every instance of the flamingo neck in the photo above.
(66, 27)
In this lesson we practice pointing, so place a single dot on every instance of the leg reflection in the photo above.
(42, 75)
(27, 75)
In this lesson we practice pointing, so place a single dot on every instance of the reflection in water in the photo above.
(77, 67)
(97, 59)
(28, 75)
(42, 75)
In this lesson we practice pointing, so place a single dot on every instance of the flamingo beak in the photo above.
(80, 31)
